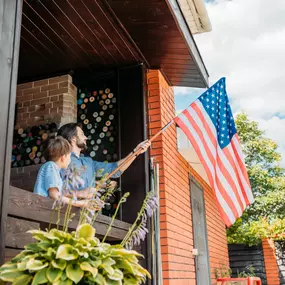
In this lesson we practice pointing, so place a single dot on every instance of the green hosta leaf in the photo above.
(61, 234)
(131, 280)
(10, 276)
(104, 246)
(114, 282)
(40, 277)
(61, 282)
(51, 253)
(53, 274)
(118, 275)
(95, 263)
(126, 265)
(109, 269)
(52, 237)
(66, 252)
(33, 247)
(99, 279)
(122, 252)
(38, 234)
(82, 242)
(108, 261)
(63, 276)
(59, 263)
(74, 272)
(82, 250)
(8, 266)
(85, 231)
(94, 242)
(22, 266)
(35, 265)
(23, 280)
(20, 256)
(87, 267)
(44, 245)
(139, 270)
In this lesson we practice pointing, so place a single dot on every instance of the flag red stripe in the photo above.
(181, 124)
(219, 160)
(241, 163)
(231, 160)
(221, 166)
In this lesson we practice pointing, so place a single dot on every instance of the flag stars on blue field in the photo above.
(216, 103)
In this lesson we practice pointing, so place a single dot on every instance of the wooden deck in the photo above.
(30, 211)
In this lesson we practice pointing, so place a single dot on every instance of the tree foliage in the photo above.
(266, 216)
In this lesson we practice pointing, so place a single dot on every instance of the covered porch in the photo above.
(88, 41)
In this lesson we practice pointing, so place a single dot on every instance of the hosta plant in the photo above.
(62, 258)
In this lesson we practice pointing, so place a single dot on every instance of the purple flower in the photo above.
(72, 179)
(151, 205)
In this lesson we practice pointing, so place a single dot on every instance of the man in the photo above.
(75, 136)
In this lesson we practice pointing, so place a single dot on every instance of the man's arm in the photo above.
(143, 146)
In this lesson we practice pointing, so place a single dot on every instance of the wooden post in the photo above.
(10, 29)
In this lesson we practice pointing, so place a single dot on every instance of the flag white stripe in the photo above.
(220, 198)
(243, 180)
(221, 154)
(240, 154)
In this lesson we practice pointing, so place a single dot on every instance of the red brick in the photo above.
(26, 97)
(40, 95)
(26, 103)
(22, 110)
(24, 86)
(41, 82)
(49, 87)
(31, 90)
(53, 98)
(60, 79)
(39, 101)
(63, 84)
(58, 91)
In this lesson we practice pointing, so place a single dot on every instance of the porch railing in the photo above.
(30, 211)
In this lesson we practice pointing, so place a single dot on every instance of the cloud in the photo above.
(247, 46)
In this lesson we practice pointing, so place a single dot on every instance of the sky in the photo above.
(247, 46)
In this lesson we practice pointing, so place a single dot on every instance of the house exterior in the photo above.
(141, 50)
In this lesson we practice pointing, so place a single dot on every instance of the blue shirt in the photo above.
(89, 168)
(48, 177)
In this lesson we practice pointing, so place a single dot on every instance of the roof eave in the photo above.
(185, 31)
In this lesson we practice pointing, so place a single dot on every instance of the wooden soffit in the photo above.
(87, 36)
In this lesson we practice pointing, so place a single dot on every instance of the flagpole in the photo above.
(136, 153)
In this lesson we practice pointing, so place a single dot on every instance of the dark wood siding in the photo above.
(243, 256)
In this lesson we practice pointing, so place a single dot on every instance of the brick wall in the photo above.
(176, 218)
(47, 100)
(40, 102)
(271, 267)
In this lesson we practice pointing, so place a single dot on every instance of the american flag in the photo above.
(209, 125)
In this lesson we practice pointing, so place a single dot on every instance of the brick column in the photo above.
(175, 219)
(45, 101)
(271, 267)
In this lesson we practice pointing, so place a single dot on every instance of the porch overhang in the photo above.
(88, 36)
